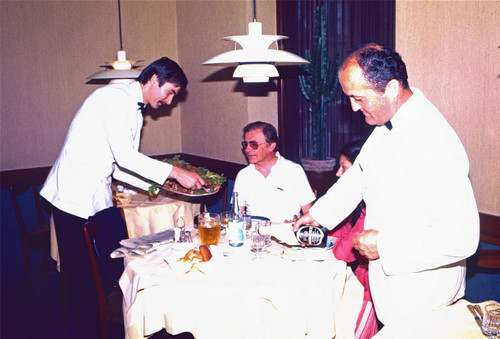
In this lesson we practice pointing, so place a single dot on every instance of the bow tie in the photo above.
(142, 107)
(388, 124)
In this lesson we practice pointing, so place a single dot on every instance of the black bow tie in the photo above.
(142, 107)
(388, 124)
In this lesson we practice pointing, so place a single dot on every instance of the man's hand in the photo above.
(306, 219)
(366, 243)
(186, 178)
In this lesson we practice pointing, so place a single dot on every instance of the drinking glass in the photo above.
(258, 244)
(209, 228)
(491, 320)
(262, 225)
(224, 221)
(247, 223)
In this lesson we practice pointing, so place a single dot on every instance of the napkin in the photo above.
(309, 254)
(281, 231)
(141, 246)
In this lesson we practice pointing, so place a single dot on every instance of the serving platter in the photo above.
(200, 194)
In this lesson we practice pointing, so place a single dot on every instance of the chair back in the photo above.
(16, 191)
(489, 234)
(90, 236)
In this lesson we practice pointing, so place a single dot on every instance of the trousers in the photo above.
(76, 270)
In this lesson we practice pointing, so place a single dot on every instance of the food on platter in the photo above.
(213, 181)
(201, 255)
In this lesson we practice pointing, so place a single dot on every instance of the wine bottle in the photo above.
(235, 231)
(312, 235)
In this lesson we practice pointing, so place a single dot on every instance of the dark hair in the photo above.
(379, 64)
(351, 150)
(268, 130)
(167, 70)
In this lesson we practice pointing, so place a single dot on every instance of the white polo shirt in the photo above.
(277, 197)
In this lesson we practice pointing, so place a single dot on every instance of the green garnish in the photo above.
(152, 190)
(213, 178)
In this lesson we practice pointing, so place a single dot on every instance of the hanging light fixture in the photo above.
(120, 69)
(255, 61)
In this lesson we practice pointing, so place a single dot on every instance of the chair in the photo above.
(109, 306)
(490, 234)
(36, 238)
(224, 199)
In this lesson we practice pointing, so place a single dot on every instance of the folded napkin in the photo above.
(143, 245)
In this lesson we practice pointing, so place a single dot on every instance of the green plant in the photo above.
(320, 85)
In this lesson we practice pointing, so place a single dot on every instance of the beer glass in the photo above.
(209, 228)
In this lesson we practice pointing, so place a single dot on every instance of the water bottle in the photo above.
(235, 232)
(312, 235)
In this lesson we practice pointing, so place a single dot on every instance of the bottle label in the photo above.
(310, 235)
(235, 233)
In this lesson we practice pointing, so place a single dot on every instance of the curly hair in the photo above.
(379, 64)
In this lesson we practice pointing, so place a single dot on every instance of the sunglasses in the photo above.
(253, 144)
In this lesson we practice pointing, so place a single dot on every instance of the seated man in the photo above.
(270, 186)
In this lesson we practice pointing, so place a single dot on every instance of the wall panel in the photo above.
(452, 52)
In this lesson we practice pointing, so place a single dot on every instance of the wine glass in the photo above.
(260, 226)
(258, 244)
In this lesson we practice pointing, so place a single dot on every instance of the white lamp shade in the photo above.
(256, 56)
(255, 72)
(115, 74)
(239, 56)
(118, 69)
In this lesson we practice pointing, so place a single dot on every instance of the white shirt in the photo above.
(414, 180)
(104, 134)
(277, 197)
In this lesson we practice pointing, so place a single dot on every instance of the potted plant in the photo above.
(319, 86)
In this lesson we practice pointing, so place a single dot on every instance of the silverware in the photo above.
(479, 311)
(477, 318)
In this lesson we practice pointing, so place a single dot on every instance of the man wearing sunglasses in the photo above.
(270, 186)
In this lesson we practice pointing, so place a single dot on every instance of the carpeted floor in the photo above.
(34, 315)
(38, 315)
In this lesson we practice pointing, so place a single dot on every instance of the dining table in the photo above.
(144, 214)
(455, 321)
(286, 292)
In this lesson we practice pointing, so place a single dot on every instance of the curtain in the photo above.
(348, 23)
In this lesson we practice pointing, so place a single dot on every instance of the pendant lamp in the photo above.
(255, 61)
(120, 69)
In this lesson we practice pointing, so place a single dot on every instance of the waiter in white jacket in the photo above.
(421, 216)
(103, 141)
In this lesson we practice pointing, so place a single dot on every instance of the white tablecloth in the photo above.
(146, 216)
(286, 294)
(143, 216)
(449, 322)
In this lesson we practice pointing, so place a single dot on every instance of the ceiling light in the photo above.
(255, 61)
(120, 69)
